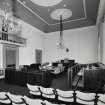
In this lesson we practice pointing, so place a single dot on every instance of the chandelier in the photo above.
(61, 40)
(8, 24)
(61, 14)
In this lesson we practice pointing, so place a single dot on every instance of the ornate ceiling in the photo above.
(83, 13)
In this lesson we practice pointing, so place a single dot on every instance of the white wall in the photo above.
(101, 11)
(82, 43)
(103, 43)
(101, 30)
(1, 56)
(34, 41)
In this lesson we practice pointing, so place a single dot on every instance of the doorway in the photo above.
(38, 54)
(10, 56)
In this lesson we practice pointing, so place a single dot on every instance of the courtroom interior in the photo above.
(52, 52)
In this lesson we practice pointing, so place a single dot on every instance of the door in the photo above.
(10, 56)
(38, 55)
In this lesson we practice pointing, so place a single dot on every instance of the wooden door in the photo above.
(38, 55)
(10, 56)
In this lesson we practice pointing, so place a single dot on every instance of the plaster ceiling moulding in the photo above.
(64, 12)
(46, 2)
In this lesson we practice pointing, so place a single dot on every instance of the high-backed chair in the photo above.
(4, 98)
(50, 103)
(16, 99)
(65, 96)
(31, 101)
(85, 98)
(47, 92)
(35, 66)
(101, 99)
(34, 90)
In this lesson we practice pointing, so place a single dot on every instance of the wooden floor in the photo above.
(59, 82)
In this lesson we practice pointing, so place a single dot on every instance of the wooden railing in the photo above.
(12, 39)
(72, 72)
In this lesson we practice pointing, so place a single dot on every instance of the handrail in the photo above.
(76, 86)
(72, 71)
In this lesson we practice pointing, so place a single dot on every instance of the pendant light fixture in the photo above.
(61, 14)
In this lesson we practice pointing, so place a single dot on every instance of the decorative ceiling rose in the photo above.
(64, 12)
(46, 2)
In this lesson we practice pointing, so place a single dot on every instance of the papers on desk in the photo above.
(53, 70)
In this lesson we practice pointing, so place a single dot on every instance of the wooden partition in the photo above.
(42, 78)
(92, 78)
(72, 72)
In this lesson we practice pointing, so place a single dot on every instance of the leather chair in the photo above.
(65, 96)
(54, 64)
(85, 98)
(31, 101)
(34, 66)
(4, 99)
(47, 92)
(16, 99)
(34, 90)
(101, 99)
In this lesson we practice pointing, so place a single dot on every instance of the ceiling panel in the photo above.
(84, 13)
(44, 12)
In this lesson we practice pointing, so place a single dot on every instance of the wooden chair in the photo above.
(4, 99)
(31, 101)
(85, 98)
(34, 90)
(16, 99)
(65, 96)
(101, 99)
(47, 92)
